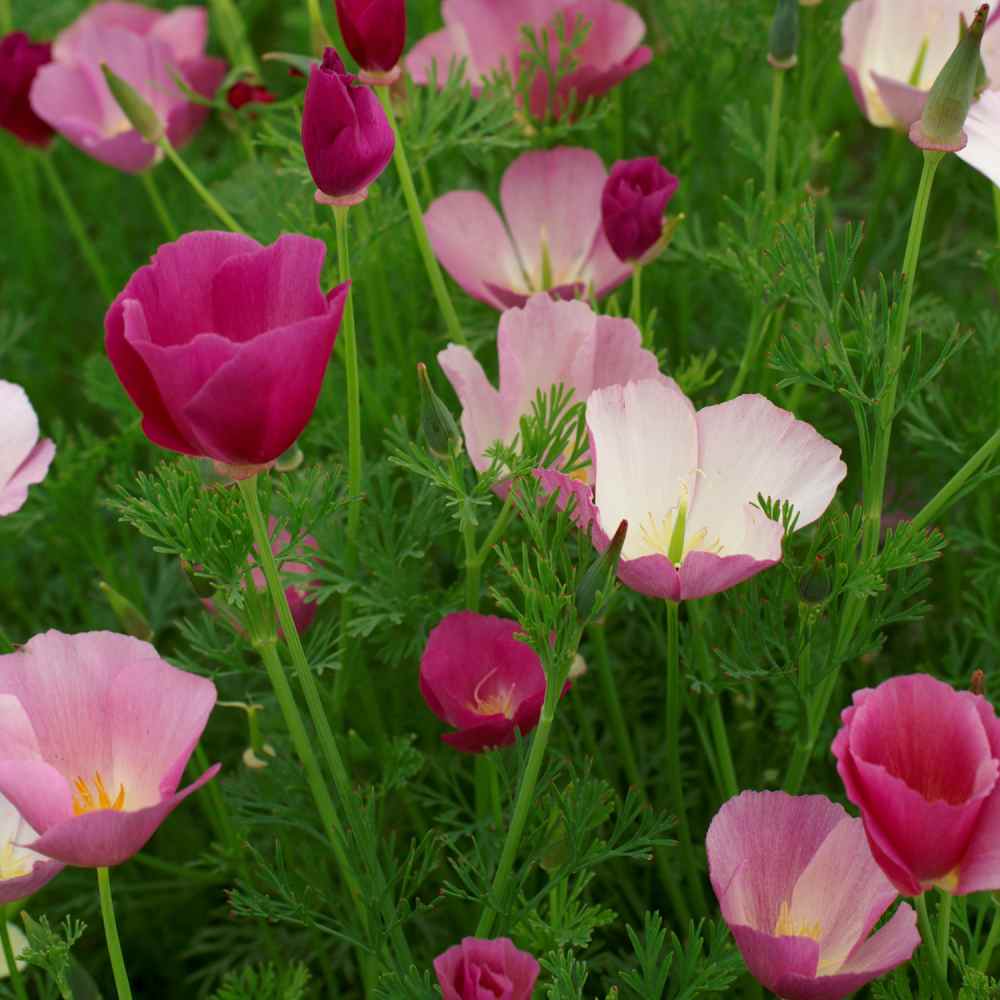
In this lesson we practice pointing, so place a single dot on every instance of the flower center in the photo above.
(501, 702)
(12, 866)
(666, 535)
(84, 799)
(787, 926)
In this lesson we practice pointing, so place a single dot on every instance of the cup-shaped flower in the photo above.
(20, 60)
(920, 760)
(375, 34)
(542, 345)
(476, 676)
(490, 38)
(222, 344)
(633, 203)
(243, 92)
(550, 240)
(22, 870)
(477, 969)
(95, 733)
(147, 49)
(24, 458)
(687, 484)
(801, 893)
(346, 136)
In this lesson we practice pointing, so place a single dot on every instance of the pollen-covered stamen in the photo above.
(787, 926)
(499, 703)
(12, 865)
(84, 800)
(668, 536)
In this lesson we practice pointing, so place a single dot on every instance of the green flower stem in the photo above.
(159, 205)
(319, 37)
(773, 132)
(111, 934)
(487, 783)
(473, 566)
(755, 337)
(328, 744)
(673, 742)
(946, 496)
(455, 331)
(211, 202)
(83, 241)
(635, 311)
(609, 691)
(6, 18)
(927, 934)
(996, 207)
(16, 979)
(499, 525)
(992, 939)
(944, 930)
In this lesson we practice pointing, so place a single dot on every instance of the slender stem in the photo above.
(111, 934)
(773, 132)
(6, 18)
(944, 930)
(947, 494)
(159, 205)
(609, 691)
(473, 566)
(927, 934)
(498, 528)
(673, 742)
(720, 738)
(86, 245)
(206, 196)
(635, 312)
(996, 207)
(455, 331)
(319, 37)
(16, 979)
(992, 939)
(755, 336)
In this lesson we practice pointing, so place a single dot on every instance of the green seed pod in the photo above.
(136, 108)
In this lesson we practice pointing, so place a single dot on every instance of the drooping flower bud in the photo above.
(20, 60)
(633, 203)
(135, 107)
(242, 93)
(132, 620)
(783, 49)
(346, 136)
(444, 439)
(375, 34)
(940, 127)
(599, 577)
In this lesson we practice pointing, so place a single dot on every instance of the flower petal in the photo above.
(982, 126)
(31, 471)
(482, 421)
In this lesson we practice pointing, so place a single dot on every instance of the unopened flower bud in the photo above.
(132, 620)
(135, 107)
(600, 574)
(977, 683)
(940, 127)
(444, 439)
(784, 42)
(200, 584)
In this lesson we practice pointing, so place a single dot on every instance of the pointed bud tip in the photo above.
(137, 110)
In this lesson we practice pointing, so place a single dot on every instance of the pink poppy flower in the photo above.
(633, 204)
(551, 238)
(801, 893)
(477, 969)
(687, 483)
(375, 33)
(96, 731)
(489, 37)
(24, 459)
(542, 345)
(893, 52)
(20, 61)
(475, 676)
(145, 48)
(22, 871)
(222, 344)
(921, 760)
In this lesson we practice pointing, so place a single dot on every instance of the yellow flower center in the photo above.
(12, 866)
(787, 926)
(84, 799)
(666, 535)
(499, 703)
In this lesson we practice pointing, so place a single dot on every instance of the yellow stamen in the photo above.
(501, 703)
(786, 926)
(83, 801)
(12, 866)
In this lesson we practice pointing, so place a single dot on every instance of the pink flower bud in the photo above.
(633, 203)
(20, 60)
(477, 968)
(346, 136)
(375, 34)
(243, 93)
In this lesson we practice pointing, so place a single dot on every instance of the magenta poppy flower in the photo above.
(920, 760)
(222, 344)
(478, 970)
(801, 893)
(22, 870)
(144, 47)
(20, 61)
(551, 238)
(687, 484)
(375, 33)
(243, 93)
(24, 458)
(346, 136)
(633, 204)
(489, 37)
(96, 731)
(542, 345)
(475, 676)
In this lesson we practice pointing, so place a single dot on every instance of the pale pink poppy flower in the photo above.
(488, 36)
(687, 484)
(551, 238)
(24, 458)
(892, 53)
(22, 871)
(95, 733)
(542, 345)
(801, 893)
(145, 48)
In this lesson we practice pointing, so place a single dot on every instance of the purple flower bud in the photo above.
(375, 33)
(633, 203)
(347, 138)
(20, 60)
